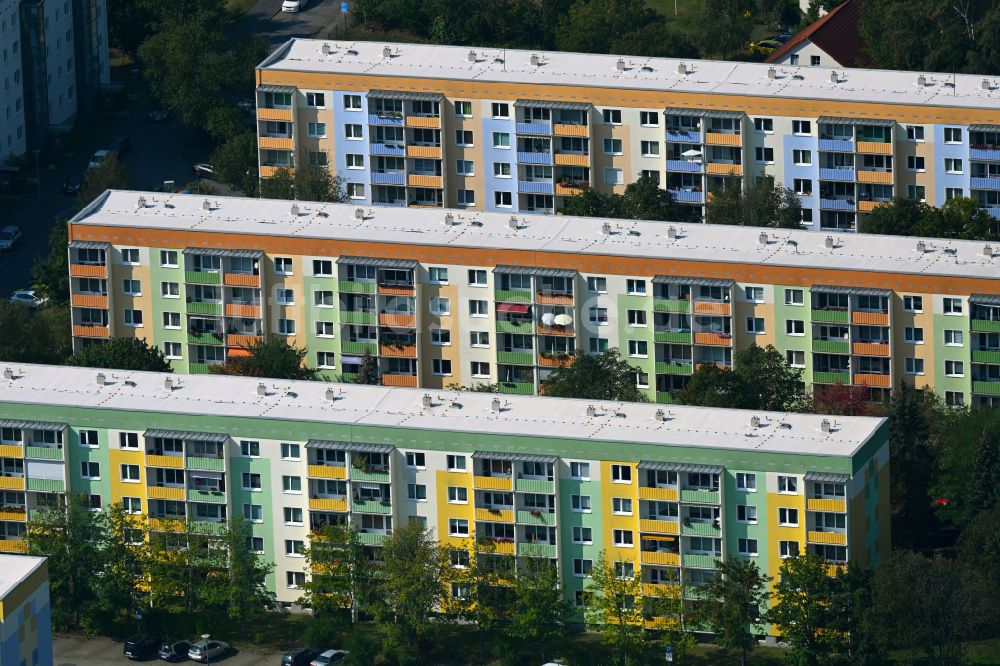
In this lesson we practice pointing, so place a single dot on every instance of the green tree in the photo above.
(612, 608)
(677, 613)
(122, 554)
(803, 609)
(590, 26)
(317, 183)
(605, 376)
(183, 570)
(270, 357)
(108, 174)
(713, 386)
(979, 552)
(968, 465)
(763, 204)
(760, 379)
(368, 371)
(280, 185)
(122, 354)
(854, 622)
(235, 163)
(50, 273)
(340, 570)
(34, 335)
(541, 611)
(591, 203)
(732, 604)
(725, 27)
(960, 218)
(70, 537)
(643, 199)
(486, 587)
(244, 573)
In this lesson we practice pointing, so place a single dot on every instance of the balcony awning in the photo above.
(352, 447)
(697, 282)
(218, 437)
(407, 95)
(678, 467)
(984, 128)
(350, 360)
(33, 425)
(658, 537)
(379, 262)
(275, 89)
(550, 104)
(534, 270)
(234, 352)
(835, 120)
(984, 299)
(89, 245)
(839, 289)
(703, 113)
(827, 477)
(512, 308)
(216, 252)
(514, 457)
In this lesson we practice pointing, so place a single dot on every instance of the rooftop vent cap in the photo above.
(472, 56)
(168, 384)
(426, 400)
(682, 68)
(331, 395)
(672, 233)
(772, 73)
(591, 410)
(988, 250)
(825, 425)
(352, 52)
(326, 49)
(921, 247)
(985, 84)
(606, 228)
(449, 219)
(660, 415)
(262, 389)
(495, 404)
(295, 210)
(512, 223)
(8, 373)
(754, 421)
(387, 52)
(141, 203)
(620, 65)
(535, 60)
(829, 242)
(359, 213)
(101, 379)
(834, 77)
(921, 81)
(762, 238)
(206, 205)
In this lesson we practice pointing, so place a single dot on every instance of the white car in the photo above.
(97, 158)
(329, 657)
(293, 5)
(10, 237)
(204, 650)
(28, 297)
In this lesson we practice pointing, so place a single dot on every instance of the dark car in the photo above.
(71, 185)
(121, 146)
(172, 650)
(141, 646)
(299, 657)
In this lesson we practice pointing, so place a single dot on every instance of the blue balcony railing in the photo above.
(986, 183)
(837, 145)
(534, 128)
(836, 174)
(685, 166)
(992, 154)
(385, 149)
(687, 196)
(389, 178)
(387, 121)
(836, 204)
(534, 158)
(684, 136)
(534, 187)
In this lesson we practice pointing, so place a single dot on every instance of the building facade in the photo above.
(514, 131)
(442, 298)
(25, 613)
(664, 492)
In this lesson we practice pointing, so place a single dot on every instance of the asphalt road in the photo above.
(76, 651)
(318, 19)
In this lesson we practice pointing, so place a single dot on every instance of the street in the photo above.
(317, 19)
(78, 651)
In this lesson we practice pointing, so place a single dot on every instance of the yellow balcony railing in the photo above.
(667, 494)
(162, 492)
(665, 559)
(13, 546)
(835, 538)
(834, 505)
(327, 504)
(493, 483)
(12, 482)
(495, 515)
(327, 471)
(172, 462)
(659, 526)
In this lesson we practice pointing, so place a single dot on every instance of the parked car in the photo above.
(159, 115)
(72, 185)
(141, 646)
(121, 146)
(10, 237)
(98, 158)
(299, 657)
(204, 650)
(765, 46)
(329, 657)
(293, 5)
(27, 297)
(172, 650)
(204, 171)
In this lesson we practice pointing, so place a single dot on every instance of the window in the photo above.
(954, 368)
(915, 132)
(597, 285)
(953, 337)
(440, 306)
(458, 527)
(650, 148)
(323, 299)
(460, 558)
(479, 338)
(794, 60)
(952, 165)
(353, 132)
(913, 335)
(293, 579)
(622, 538)
(801, 127)
(256, 545)
(501, 140)
(173, 350)
(416, 492)
(765, 125)
(613, 176)
(788, 485)
(253, 513)
(291, 484)
(318, 99)
(356, 190)
(795, 327)
(355, 161)
(294, 548)
(612, 146)
(598, 316)
(788, 517)
(765, 155)
(456, 463)
(579, 470)
(441, 366)
(170, 290)
(612, 116)
(746, 481)
(415, 459)
(802, 157)
(249, 449)
(621, 506)
(171, 320)
(755, 325)
(283, 265)
(502, 199)
(793, 297)
(293, 515)
(636, 317)
(440, 336)
(916, 192)
(649, 118)
(954, 398)
(87, 438)
(290, 451)
(746, 546)
(168, 258)
(90, 470)
(746, 513)
(352, 102)
(953, 135)
(914, 366)
(132, 287)
(318, 158)
(913, 303)
(128, 440)
(465, 197)
(795, 358)
(463, 108)
(583, 535)
(465, 167)
(915, 163)
(501, 169)
(478, 308)
(638, 349)
(316, 130)
(582, 567)
(130, 473)
(324, 329)
(132, 505)
(754, 294)
(477, 278)
(621, 474)
(952, 306)
(286, 327)
(463, 137)
(251, 481)
(788, 549)
(953, 192)
(458, 495)
(580, 503)
(500, 110)
(635, 287)
(284, 296)
(130, 255)
(598, 345)
(479, 369)
(133, 318)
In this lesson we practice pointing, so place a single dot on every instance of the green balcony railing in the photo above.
(204, 338)
(675, 337)
(985, 326)
(43, 452)
(206, 464)
(669, 368)
(516, 358)
(538, 518)
(358, 348)
(203, 308)
(46, 485)
(985, 356)
(349, 377)
(700, 496)
(198, 277)
(517, 388)
(372, 506)
(208, 526)
(665, 398)
(832, 346)
(350, 317)
(986, 388)
(199, 368)
(664, 305)
(369, 475)
(512, 296)
(371, 538)
(831, 377)
(536, 550)
(699, 561)
(830, 316)
(351, 287)
(700, 529)
(504, 326)
(212, 496)
(534, 486)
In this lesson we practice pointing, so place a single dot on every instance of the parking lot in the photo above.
(76, 651)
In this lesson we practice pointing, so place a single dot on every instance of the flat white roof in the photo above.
(14, 569)
(468, 412)
(640, 73)
(249, 217)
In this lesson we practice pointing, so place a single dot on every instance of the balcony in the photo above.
(831, 346)
(660, 558)
(496, 546)
(547, 550)
(81, 331)
(875, 147)
(370, 474)
(699, 561)
(664, 305)
(327, 472)
(835, 538)
(654, 526)
(867, 206)
(986, 356)
(268, 170)
(47, 485)
(11, 451)
(209, 496)
(516, 388)
(427, 122)
(985, 183)
(867, 379)
(372, 538)
(44, 452)
(535, 187)
(88, 270)
(13, 546)
(205, 463)
(830, 316)
(723, 139)
(714, 339)
(985, 326)
(877, 177)
(571, 159)
(283, 114)
(695, 496)
(89, 301)
(276, 143)
(514, 326)
(568, 189)
(493, 483)
(495, 515)
(554, 298)
(866, 318)
(358, 348)
(712, 308)
(388, 149)
(204, 338)
(567, 129)
(385, 120)
(242, 311)
(166, 492)
(14, 514)
(512, 295)
(536, 518)
(533, 128)
(357, 317)
(988, 154)
(543, 486)
(663, 494)
(565, 331)
(241, 280)
(421, 180)
(242, 340)
(525, 157)
(821, 377)
(674, 368)
(724, 169)
(409, 381)
(328, 504)
(398, 351)
(683, 136)
(684, 166)
(689, 528)
(982, 387)
(836, 173)
(372, 506)
(688, 196)
(554, 360)
(516, 357)
(836, 204)
(675, 337)
(832, 505)
(204, 308)
(837, 145)
(426, 152)
(397, 320)
(870, 348)
(353, 287)
(169, 462)
(388, 178)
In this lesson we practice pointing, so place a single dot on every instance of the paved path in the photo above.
(76, 651)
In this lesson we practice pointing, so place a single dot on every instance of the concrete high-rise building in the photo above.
(25, 611)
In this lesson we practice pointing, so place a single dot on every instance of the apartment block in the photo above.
(452, 297)
(515, 131)
(663, 492)
(25, 614)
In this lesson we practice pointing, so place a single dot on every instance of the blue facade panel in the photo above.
(492, 155)
(341, 119)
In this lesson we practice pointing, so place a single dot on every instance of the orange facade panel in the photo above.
(870, 318)
(428, 152)
(398, 351)
(874, 147)
(878, 381)
(276, 143)
(268, 171)
(714, 339)
(275, 114)
(400, 320)
(244, 311)
(88, 270)
(430, 122)
(241, 280)
(417, 180)
(870, 349)
(90, 331)
(409, 381)
(720, 139)
(711, 308)
(239, 340)
(561, 129)
(89, 301)
(877, 177)
(396, 291)
(720, 169)
(571, 159)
